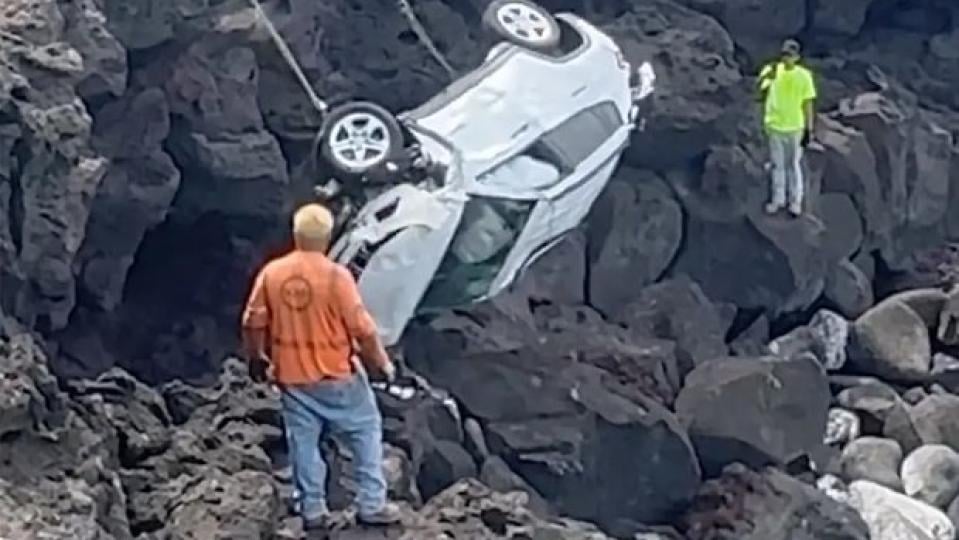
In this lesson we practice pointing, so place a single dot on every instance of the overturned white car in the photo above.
(524, 143)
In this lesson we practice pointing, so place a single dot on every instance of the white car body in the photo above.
(419, 248)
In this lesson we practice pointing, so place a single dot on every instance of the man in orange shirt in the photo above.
(305, 320)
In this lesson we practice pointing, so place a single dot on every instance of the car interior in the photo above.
(486, 234)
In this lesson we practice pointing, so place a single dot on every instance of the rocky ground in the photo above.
(681, 367)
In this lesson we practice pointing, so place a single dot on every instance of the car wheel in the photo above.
(524, 23)
(359, 137)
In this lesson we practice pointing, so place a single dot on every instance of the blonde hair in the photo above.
(313, 223)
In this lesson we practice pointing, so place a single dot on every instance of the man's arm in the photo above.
(360, 324)
(256, 321)
(809, 104)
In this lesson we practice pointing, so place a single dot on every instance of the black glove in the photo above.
(806, 138)
(261, 370)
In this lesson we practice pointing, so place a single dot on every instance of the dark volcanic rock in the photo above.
(57, 472)
(872, 458)
(874, 402)
(559, 276)
(737, 253)
(678, 310)
(849, 288)
(646, 363)
(755, 411)
(634, 233)
(470, 510)
(567, 427)
(149, 153)
(769, 505)
(695, 55)
(445, 463)
(891, 340)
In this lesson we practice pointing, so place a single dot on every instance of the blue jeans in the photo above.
(785, 152)
(346, 408)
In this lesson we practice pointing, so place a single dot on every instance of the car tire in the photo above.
(359, 137)
(537, 29)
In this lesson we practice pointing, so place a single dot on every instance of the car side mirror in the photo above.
(647, 82)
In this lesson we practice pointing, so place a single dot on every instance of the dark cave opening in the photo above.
(183, 298)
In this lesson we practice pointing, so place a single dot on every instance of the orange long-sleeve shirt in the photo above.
(312, 312)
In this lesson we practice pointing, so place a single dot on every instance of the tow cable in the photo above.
(287, 54)
(407, 10)
(321, 106)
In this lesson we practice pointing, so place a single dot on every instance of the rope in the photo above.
(318, 103)
(407, 10)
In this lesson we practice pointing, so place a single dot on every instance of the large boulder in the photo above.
(874, 459)
(565, 426)
(948, 324)
(471, 510)
(894, 516)
(643, 361)
(891, 341)
(849, 288)
(916, 154)
(754, 410)
(874, 402)
(825, 337)
(758, 26)
(696, 55)
(930, 474)
(635, 230)
(559, 276)
(678, 310)
(933, 420)
(845, 18)
(768, 505)
(780, 264)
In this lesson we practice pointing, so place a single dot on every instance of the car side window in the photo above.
(582, 134)
(479, 248)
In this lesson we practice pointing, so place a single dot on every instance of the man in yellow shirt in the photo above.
(789, 94)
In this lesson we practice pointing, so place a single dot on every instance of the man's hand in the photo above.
(389, 371)
(261, 369)
(807, 137)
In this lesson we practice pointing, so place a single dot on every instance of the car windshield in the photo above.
(479, 248)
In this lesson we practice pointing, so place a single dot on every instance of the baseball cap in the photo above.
(791, 46)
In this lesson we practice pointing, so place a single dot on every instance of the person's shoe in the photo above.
(772, 208)
(388, 515)
(795, 209)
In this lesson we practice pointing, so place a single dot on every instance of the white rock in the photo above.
(931, 474)
(842, 427)
(832, 329)
(894, 516)
(833, 487)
